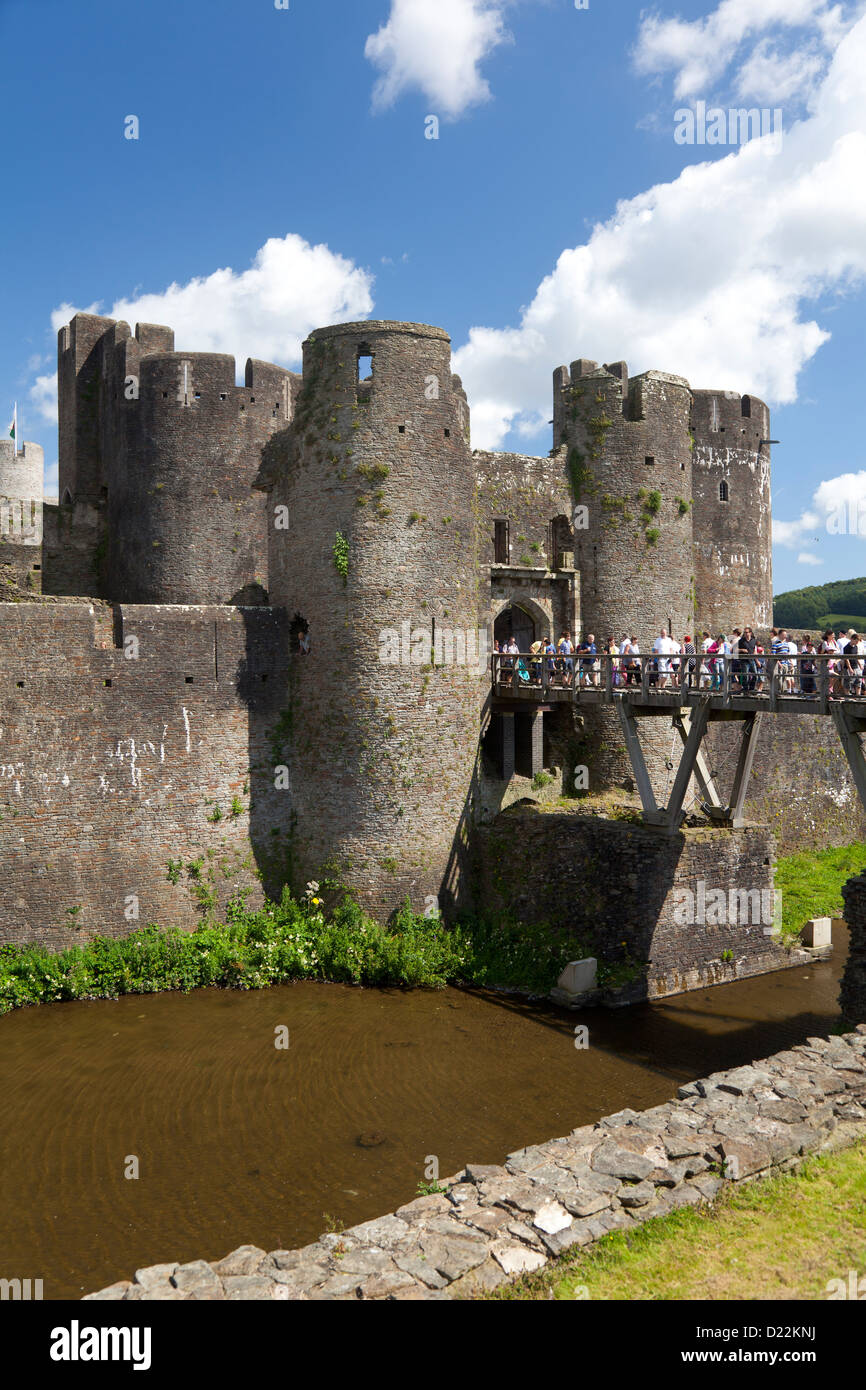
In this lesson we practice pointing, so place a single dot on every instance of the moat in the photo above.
(239, 1141)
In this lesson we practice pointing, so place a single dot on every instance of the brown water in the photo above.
(240, 1142)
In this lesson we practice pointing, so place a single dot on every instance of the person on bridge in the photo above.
(632, 665)
(535, 666)
(690, 664)
(565, 647)
(588, 650)
(808, 667)
(829, 647)
(664, 647)
(748, 666)
(851, 667)
(550, 653)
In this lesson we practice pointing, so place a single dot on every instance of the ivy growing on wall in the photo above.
(341, 556)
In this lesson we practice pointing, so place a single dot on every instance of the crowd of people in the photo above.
(700, 660)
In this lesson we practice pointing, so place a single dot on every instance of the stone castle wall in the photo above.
(732, 537)
(616, 885)
(852, 996)
(376, 485)
(21, 472)
(164, 446)
(110, 767)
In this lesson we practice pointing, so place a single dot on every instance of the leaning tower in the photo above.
(630, 465)
(372, 553)
(732, 516)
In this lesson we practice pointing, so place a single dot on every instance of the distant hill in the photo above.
(837, 604)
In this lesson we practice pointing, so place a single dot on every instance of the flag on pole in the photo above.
(13, 427)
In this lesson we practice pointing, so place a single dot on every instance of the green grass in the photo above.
(293, 940)
(837, 620)
(776, 1238)
(811, 883)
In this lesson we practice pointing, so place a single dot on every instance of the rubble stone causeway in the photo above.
(493, 1223)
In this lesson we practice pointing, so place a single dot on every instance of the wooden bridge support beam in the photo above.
(692, 725)
(683, 723)
(733, 814)
(851, 727)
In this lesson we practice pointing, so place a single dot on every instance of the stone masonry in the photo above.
(345, 504)
(623, 890)
(492, 1223)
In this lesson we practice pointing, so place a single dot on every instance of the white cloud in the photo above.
(699, 51)
(50, 480)
(706, 276)
(265, 311)
(804, 558)
(436, 47)
(838, 508)
(43, 395)
(771, 78)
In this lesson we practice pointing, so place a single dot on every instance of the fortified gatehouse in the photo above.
(248, 644)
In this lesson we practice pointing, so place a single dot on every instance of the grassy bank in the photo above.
(811, 883)
(293, 940)
(299, 940)
(777, 1238)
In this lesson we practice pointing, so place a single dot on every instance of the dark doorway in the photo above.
(515, 622)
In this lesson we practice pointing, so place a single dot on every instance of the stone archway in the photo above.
(522, 618)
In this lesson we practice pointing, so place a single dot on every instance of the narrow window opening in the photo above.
(165, 395)
(723, 492)
(20, 685)
(447, 434)
(747, 407)
(252, 400)
(401, 429)
(224, 395)
(264, 676)
(365, 365)
(189, 679)
(106, 682)
(500, 543)
(649, 461)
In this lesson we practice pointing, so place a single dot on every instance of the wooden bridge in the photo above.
(694, 692)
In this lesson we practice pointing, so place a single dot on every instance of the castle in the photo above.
(232, 559)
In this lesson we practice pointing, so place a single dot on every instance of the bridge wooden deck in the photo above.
(744, 690)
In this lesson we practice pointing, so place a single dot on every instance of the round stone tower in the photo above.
(373, 556)
(21, 475)
(731, 515)
(629, 460)
(184, 525)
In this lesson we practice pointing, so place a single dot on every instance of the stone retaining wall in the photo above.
(494, 1222)
(620, 888)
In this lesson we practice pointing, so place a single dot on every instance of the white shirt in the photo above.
(666, 646)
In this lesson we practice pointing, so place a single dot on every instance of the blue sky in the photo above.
(282, 180)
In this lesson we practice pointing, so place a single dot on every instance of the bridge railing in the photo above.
(819, 676)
